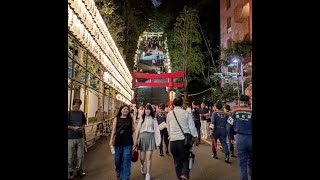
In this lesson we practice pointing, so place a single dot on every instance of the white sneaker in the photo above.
(148, 176)
(143, 169)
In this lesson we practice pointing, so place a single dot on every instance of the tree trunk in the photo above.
(185, 63)
(185, 98)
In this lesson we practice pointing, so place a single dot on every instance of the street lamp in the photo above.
(236, 60)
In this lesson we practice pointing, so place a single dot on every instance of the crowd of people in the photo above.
(169, 129)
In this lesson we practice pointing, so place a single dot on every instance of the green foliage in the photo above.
(160, 21)
(240, 48)
(126, 20)
(184, 46)
(224, 95)
(114, 22)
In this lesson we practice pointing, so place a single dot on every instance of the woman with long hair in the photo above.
(147, 138)
(121, 139)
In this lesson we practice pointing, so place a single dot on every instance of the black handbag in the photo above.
(187, 136)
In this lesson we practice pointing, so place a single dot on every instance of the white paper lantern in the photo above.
(89, 42)
(77, 30)
(87, 3)
(71, 2)
(87, 19)
(91, 6)
(94, 13)
(76, 6)
(91, 25)
(73, 24)
(83, 12)
(69, 17)
(94, 30)
(85, 37)
(81, 30)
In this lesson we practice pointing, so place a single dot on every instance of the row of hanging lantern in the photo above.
(115, 84)
(91, 18)
(123, 99)
(85, 37)
(87, 19)
(168, 63)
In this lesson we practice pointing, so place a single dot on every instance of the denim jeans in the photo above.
(75, 144)
(244, 148)
(122, 161)
(221, 134)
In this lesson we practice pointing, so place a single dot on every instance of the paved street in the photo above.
(99, 165)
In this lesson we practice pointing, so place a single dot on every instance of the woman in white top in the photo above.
(147, 138)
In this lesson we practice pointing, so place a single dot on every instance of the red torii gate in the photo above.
(170, 84)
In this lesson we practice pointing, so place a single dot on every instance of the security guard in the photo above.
(230, 131)
(242, 122)
(218, 124)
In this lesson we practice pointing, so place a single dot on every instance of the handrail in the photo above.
(96, 123)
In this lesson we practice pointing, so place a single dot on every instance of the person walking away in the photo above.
(219, 131)
(177, 118)
(230, 131)
(241, 119)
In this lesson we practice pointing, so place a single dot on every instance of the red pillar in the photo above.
(170, 88)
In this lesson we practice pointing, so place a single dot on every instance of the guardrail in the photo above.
(98, 129)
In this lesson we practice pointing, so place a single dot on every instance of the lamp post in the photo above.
(236, 61)
(241, 73)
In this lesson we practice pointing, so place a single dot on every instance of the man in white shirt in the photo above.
(178, 150)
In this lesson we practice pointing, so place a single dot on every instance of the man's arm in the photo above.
(168, 124)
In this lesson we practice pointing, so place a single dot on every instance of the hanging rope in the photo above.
(199, 92)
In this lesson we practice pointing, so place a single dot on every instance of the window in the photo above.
(229, 24)
(228, 4)
(229, 43)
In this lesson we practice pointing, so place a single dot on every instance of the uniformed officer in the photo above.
(230, 130)
(218, 124)
(242, 122)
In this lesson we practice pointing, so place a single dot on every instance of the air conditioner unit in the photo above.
(229, 29)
